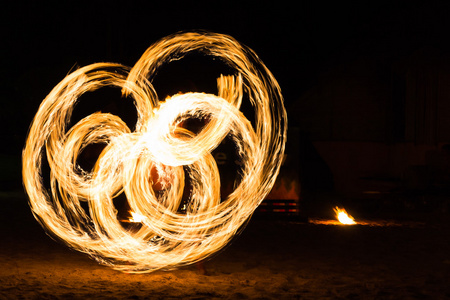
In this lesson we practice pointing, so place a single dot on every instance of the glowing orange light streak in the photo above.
(167, 238)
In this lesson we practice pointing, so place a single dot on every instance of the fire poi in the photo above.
(167, 237)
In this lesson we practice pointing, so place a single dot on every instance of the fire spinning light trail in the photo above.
(168, 237)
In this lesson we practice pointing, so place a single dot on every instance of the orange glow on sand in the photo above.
(166, 237)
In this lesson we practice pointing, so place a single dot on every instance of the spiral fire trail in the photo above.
(159, 152)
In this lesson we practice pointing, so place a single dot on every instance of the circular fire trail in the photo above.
(152, 164)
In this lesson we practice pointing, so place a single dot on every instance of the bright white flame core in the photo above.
(136, 218)
(343, 217)
(167, 238)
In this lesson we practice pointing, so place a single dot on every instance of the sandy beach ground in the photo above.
(271, 259)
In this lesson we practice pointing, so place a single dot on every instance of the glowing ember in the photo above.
(343, 217)
(169, 236)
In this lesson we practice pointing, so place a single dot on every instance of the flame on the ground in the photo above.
(343, 216)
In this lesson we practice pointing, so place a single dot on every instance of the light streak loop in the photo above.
(151, 164)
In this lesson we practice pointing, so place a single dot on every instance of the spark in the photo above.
(167, 237)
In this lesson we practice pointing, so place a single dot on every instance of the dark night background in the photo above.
(365, 82)
(366, 87)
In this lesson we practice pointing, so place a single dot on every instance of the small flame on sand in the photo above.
(343, 217)
(136, 218)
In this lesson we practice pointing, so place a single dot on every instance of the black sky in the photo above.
(43, 41)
